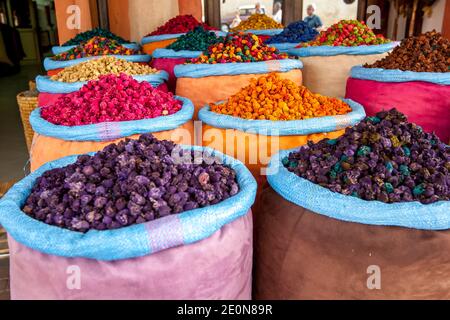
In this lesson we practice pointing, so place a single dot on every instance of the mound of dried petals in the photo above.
(111, 98)
(96, 46)
(258, 22)
(383, 158)
(427, 52)
(348, 33)
(132, 182)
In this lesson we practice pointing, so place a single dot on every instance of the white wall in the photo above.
(147, 15)
(436, 19)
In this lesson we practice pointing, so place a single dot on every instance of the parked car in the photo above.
(244, 12)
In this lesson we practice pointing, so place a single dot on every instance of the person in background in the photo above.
(312, 20)
(277, 12)
(236, 21)
(258, 9)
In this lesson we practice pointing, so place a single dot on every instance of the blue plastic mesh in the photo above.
(266, 32)
(160, 37)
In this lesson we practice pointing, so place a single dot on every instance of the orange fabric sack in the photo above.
(52, 142)
(210, 83)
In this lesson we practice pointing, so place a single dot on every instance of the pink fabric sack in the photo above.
(204, 253)
(218, 267)
(424, 99)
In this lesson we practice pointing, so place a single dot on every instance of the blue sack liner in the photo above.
(341, 50)
(266, 32)
(220, 33)
(160, 37)
(50, 64)
(128, 242)
(235, 68)
(387, 75)
(45, 84)
(169, 53)
(107, 131)
(61, 49)
(435, 216)
(285, 128)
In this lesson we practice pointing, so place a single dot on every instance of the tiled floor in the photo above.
(13, 151)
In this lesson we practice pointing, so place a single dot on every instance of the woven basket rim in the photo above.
(21, 95)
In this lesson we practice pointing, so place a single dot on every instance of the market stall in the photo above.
(268, 162)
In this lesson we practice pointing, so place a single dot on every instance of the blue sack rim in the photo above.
(283, 47)
(161, 37)
(264, 32)
(169, 53)
(341, 50)
(285, 128)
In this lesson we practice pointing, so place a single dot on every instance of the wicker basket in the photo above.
(27, 103)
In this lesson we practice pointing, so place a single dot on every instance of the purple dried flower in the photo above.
(388, 160)
(134, 181)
